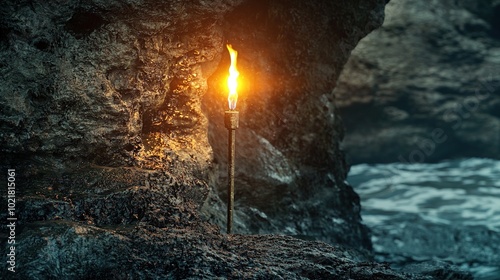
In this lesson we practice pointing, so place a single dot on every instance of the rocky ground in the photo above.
(147, 226)
(425, 86)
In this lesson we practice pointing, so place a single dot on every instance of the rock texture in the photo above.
(186, 253)
(111, 114)
(425, 86)
(124, 229)
(123, 83)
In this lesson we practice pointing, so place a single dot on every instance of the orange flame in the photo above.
(232, 80)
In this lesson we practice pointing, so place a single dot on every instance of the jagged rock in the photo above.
(113, 83)
(425, 86)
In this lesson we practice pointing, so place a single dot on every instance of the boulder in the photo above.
(424, 87)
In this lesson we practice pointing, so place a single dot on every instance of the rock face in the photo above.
(111, 115)
(425, 86)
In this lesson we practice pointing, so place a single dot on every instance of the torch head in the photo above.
(231, 119)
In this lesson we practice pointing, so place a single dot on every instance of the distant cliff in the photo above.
(425, 86)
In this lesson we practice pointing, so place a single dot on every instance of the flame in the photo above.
(232, 80)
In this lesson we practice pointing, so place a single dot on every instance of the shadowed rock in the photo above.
(431, 69)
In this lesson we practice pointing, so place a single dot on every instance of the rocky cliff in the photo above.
(425, 86)
(111, 116)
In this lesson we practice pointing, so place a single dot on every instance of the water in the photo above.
(448, 211)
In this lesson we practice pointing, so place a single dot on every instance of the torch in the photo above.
(231, 120)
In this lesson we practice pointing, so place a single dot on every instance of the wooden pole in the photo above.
(231, 121)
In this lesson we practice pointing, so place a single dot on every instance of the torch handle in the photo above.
(230, 185)
(231, 121)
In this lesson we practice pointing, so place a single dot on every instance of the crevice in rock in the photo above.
(82, 23)
(42, 44)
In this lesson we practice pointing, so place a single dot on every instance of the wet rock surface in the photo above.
(424, 87)
(111, 114)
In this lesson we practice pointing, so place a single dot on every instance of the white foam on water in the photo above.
(458, 193)
(464, 191)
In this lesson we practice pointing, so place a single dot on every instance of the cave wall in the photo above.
(425, 86)
(111, 113)
(97, 80)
